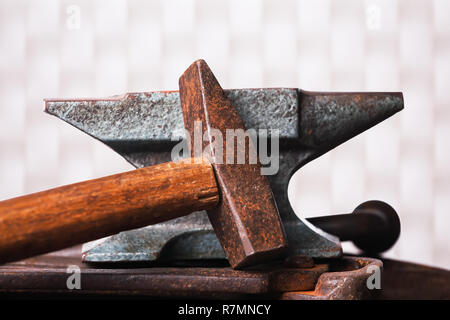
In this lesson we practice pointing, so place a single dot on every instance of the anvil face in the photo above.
(144, 127)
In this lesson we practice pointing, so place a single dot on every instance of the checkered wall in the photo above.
(102, 48)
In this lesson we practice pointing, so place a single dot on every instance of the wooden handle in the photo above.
(58, 218)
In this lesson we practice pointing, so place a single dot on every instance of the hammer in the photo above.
(237, 197)
(309, 124)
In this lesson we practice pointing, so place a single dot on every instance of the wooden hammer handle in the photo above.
(58, 218)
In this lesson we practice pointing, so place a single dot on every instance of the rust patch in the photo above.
(248, 234)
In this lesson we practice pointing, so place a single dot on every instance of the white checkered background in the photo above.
(101, 48)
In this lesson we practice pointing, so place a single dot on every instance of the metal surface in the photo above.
(347, 282)
(48, 274)
(246, 220)
(143, 128)
(405, 280)
(343, 278)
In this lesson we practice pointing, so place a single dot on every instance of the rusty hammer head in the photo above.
(246, 222)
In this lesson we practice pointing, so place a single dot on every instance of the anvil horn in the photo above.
(143, 128)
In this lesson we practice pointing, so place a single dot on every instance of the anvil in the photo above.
(144, 127)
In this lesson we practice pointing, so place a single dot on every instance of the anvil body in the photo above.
(144, 127)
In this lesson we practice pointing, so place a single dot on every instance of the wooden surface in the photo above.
(59, 218)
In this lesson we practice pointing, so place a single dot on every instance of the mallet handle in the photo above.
(61, 217)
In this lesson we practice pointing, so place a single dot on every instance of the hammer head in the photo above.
(246, 221)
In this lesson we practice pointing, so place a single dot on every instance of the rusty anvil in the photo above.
(144, 127)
